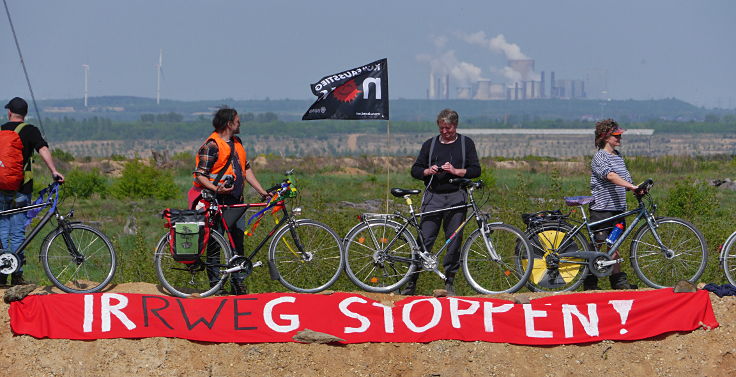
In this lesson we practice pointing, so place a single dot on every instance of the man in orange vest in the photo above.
(222, 158)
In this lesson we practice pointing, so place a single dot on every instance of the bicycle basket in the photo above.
(533, 220)
(188, 234)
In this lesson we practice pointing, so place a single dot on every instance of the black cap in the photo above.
(18, 106)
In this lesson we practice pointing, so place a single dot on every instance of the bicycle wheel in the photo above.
(550, 274)
(378, 258)
(506, 275)
(688, 247)
(307, 256)
(728, 258)
(202, 277)
(81, 260)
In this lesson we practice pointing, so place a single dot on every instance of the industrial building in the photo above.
(527, 85)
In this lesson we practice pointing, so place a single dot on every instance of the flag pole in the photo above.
(388, 163)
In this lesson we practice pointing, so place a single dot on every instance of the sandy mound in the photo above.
(699, 353)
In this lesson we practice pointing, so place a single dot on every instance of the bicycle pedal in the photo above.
(257, 264)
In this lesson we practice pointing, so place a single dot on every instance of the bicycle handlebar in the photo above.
(644, 187)
(467, 183)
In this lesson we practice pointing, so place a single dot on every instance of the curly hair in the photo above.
(448, 116)
(222, 117)
(603, 130)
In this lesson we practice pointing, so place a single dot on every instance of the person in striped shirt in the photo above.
(609, 181)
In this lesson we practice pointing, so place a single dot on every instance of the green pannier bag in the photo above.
(187, 233)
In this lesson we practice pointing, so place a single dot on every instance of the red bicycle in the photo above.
(304, 255)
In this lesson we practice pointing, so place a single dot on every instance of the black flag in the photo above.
(358, 93)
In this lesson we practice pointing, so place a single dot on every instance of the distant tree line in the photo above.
(171, 127)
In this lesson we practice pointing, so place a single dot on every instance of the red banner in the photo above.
(277, 317)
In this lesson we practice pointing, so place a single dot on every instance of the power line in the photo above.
(23, 63)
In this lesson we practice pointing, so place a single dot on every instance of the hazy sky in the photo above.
(219, 49)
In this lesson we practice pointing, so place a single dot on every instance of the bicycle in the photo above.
(76, 258)
(727, 258)
(304, 255)
(381, 254)
(664, 250)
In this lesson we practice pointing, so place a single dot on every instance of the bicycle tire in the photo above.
(549, 238)
(658, 271)
(88, 274)
(728, 258)
(505, 276)
(316, 266)
(193, 279)
(372, 268)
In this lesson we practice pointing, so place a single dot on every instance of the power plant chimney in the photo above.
(541, 86)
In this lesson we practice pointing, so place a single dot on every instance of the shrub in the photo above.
(62, 155)
(690, 199)
(143, 181)
(82, 184)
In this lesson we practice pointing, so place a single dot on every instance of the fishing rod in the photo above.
(23, 63)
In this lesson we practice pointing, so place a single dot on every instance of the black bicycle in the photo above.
(664, 250)
(76, 257)
(381, 253)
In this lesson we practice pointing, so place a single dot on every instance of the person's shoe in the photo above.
(449, 288)
(449, 284)
(591, 283)
(17, 279)
(410, 288)
(620, 281)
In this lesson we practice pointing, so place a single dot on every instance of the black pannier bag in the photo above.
(188, 234)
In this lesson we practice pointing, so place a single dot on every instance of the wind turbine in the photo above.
(158, 75)
(86, 70)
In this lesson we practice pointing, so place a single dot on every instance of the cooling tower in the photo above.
(525, 67)
(484, 90)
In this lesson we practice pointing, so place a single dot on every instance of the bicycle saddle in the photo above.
(578, 200)
(399, 192)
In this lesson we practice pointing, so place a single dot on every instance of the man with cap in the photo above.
(12, 227)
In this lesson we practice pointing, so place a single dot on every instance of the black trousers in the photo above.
(449, 220)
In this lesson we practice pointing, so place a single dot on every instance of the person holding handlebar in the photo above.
(609, 181)
(12, 227)
(442, 158)
(223, 168)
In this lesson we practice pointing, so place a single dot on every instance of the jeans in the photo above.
(12, 227)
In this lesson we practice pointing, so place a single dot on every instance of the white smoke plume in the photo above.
(512, 51)
(463, 73)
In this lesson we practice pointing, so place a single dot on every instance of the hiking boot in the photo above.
(449, 284)
(17, 279)
(238, 288)
(410, 288)
(591, 283)
(620, 281)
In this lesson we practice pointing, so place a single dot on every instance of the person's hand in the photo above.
(639, 191)
(266, 197)
(57, 177)
(449, 168)
(222, 189)
(432, 170)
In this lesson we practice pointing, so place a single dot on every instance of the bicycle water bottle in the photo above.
(613, 236)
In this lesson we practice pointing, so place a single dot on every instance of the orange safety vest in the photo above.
(222, 155)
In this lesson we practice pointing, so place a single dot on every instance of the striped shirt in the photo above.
(608, 196)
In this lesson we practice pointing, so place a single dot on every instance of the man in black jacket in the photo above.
(443, 157)
(12, 227)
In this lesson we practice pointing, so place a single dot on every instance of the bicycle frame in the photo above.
(641, 212)
(42, 223)
(431, 263)
(216, 210)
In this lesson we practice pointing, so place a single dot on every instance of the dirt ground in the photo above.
(697, 353)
